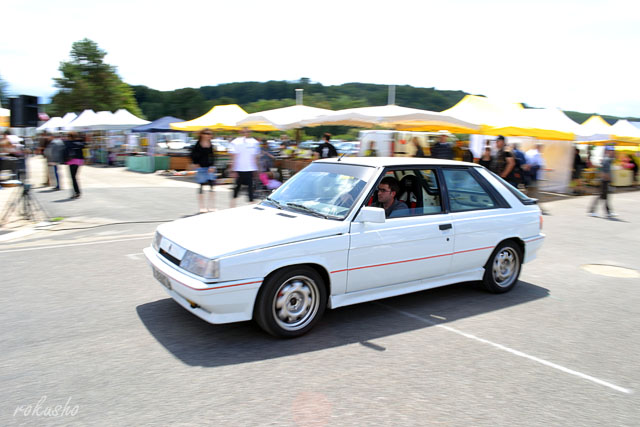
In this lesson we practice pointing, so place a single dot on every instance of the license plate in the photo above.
(161, 278)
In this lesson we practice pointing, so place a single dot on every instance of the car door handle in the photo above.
(445, 226)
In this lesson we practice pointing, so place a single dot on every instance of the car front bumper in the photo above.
(222, 302)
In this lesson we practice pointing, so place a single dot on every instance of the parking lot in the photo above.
(84, 323)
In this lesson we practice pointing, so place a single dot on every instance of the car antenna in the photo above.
(341, 156)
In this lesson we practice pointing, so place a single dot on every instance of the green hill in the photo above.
(189, 103)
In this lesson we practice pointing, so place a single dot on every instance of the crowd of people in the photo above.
(60, 149)
(252, 162)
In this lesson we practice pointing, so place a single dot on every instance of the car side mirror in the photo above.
(371, 214)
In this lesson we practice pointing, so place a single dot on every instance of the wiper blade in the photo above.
(306, 209)
(274, 202)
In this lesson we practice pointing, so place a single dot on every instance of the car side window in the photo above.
(465, 193)
(419, 191)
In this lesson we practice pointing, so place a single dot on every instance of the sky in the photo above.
(574, 55)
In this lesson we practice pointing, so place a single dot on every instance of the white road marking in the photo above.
(135, 256)
(16, 234)
(76, 244)
(512, 351)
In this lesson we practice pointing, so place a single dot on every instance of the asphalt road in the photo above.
(85, 326)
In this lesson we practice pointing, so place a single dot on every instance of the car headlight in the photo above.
(156, 241)
(201, 266)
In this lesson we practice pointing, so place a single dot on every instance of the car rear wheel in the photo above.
(291, 302)
(503, 268)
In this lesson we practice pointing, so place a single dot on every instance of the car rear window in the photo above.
(465, 193)
(523, 198)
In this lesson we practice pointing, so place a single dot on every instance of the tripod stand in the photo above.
(27, 206)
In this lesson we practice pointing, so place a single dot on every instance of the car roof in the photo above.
(394, 161)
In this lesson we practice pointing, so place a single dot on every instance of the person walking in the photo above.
(576, 173)
(203, 156)
(505, 162)
(326, 149)
(533, 168)
(442, 149)
(74, 146)
(371, 151)
(54, 152)
(461, 152)
(244, 163)
(418, 147)
(605, 180)
(486, 159)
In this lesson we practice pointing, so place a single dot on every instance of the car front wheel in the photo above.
(503, 268)
(291, 302)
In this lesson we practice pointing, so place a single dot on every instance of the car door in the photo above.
(416, 245)
(477, 213)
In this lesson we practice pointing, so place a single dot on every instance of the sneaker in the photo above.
(612, 215)
(593, 214)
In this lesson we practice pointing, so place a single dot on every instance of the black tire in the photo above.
(291, 302)
(503, 268)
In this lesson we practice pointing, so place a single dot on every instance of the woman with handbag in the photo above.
(203, 157)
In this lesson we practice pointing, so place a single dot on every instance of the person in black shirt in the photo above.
(487, 159)
(505, 162)
(74, 156)
(442, 149)
(326, 149)
(203, 157)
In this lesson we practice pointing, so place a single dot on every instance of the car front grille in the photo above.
(170, 257)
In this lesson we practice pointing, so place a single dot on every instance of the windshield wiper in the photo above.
(273, 202)
(306, 209)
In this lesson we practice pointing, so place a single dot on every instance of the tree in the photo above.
(88, 82)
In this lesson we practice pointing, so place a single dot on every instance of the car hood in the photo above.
(247, 228)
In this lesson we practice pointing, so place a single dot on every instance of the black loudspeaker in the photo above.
(24, 111)
(16, 119)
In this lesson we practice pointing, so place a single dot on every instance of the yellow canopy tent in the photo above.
(541, 123)
(511, 119)
(219, 118)
(482, 112)
(5, 114)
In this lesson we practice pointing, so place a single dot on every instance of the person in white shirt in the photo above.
(534, 167)
(244, 163)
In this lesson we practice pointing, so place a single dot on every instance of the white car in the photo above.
(319, 242)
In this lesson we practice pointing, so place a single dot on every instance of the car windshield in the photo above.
(328, 190)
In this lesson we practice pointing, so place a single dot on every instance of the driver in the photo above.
(387, 190)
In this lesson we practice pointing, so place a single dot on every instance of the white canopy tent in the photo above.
(88, 120)
(623, 131)
(282, 118)
(84, 122)
(390, 116)
(126, 120)
(595, 129)
(58, 123)
(51, 124)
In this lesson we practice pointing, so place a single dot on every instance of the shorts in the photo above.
(204, 176)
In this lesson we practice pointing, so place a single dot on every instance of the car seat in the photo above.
(411, 193)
